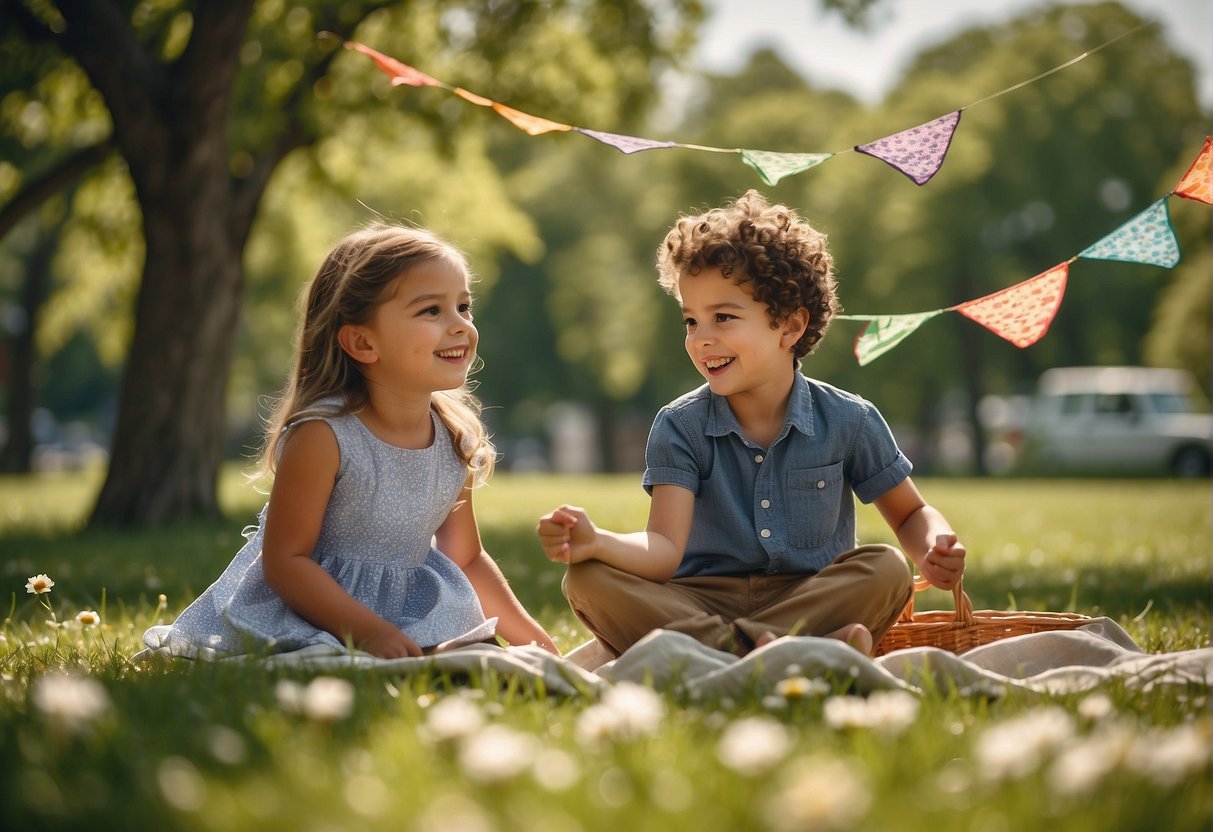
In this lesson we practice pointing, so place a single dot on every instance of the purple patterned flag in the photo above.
(885, 332)
(1146, 238)
(626, 144)
(772, 166)
(917, 152)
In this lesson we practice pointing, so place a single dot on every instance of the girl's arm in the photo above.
(459, 539)
(924, 534)
(303, 484)
(569, 536)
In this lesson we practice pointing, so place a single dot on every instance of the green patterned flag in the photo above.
(772, 166)
(884, 332)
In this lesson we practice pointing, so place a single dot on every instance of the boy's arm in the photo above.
(569, 536)
(459, 539)
(924, 534)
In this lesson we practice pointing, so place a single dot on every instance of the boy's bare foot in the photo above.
(764, 639)
(856, 635)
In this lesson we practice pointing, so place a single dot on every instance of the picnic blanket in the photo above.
(1057, 662)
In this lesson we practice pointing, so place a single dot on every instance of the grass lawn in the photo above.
(90, 741)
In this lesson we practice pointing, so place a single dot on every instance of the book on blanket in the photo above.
(478, 634)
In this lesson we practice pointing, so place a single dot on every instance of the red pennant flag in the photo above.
(1195, 184)
(1021, 313)
(394, 69)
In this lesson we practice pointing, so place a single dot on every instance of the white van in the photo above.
(1119, 419)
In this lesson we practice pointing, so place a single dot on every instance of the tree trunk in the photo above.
(17, 455)
(170, 124)
(175, 380)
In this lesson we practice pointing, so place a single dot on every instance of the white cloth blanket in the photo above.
(1057, 662)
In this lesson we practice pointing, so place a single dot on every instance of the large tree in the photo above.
(207, 98)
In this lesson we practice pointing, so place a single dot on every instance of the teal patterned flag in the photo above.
(884, 332)
(1146, 238)
(772, 166)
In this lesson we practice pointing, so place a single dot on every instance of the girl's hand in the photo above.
(391, 643)
(944, 562)
(567, 535)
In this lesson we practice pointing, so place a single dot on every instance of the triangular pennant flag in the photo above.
(1021, 313)
(529, 123)
(1195, 184)
(887, 331)
(475, 99)
(394, 69)
(625, 144)
(917, 152)
(772, 166)
(1146, 238)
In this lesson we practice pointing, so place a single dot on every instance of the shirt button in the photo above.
(758, 457)
(765, 504)
(821, 484)
(765, 532)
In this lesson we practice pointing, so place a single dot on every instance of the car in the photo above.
(1127, 420)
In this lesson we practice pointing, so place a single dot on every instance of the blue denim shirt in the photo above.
(787, 508)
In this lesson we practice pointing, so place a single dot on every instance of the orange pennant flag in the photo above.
(471, 96)
(394, 69)
(1195, 184)
(1021, 313)
(531, 124)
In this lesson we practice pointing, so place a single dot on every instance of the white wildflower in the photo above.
(39, 585)
(1095, 707)
(753, 746)
(88, 618)
(1169, 756)
(325, 698)
(1018, 746)
(626, 712)
(452, 718)
(820, 793)
(70, 701)
(800, 687)
(888, 712)
(555, 770)
(497, 753)
(181, 785)
(1081, 767)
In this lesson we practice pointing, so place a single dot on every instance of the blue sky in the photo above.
(829, 53)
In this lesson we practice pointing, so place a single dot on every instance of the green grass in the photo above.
(213, 746)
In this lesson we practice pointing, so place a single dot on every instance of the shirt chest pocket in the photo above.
(815, 495)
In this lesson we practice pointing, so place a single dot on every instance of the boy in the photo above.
(751, 531)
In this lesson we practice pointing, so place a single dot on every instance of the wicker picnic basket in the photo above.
(964, 628)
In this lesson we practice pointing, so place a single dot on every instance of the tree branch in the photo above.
(44, 187)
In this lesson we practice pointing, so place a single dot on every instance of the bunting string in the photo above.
(916, 153)
(1022, 313)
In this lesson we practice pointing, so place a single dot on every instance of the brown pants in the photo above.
(869, 585)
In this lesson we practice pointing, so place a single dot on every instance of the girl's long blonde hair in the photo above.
(351, 282)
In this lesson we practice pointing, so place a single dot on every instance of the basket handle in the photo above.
(964, 606)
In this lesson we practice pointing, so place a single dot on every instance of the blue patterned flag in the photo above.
(1146, 238)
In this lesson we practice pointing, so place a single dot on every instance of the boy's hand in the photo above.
(944, 562)
(567, 535)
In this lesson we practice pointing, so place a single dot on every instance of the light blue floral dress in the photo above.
(376, 541)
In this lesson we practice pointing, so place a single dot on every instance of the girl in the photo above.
(369, 538)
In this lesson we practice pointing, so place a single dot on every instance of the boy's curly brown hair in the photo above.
(769, 246)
